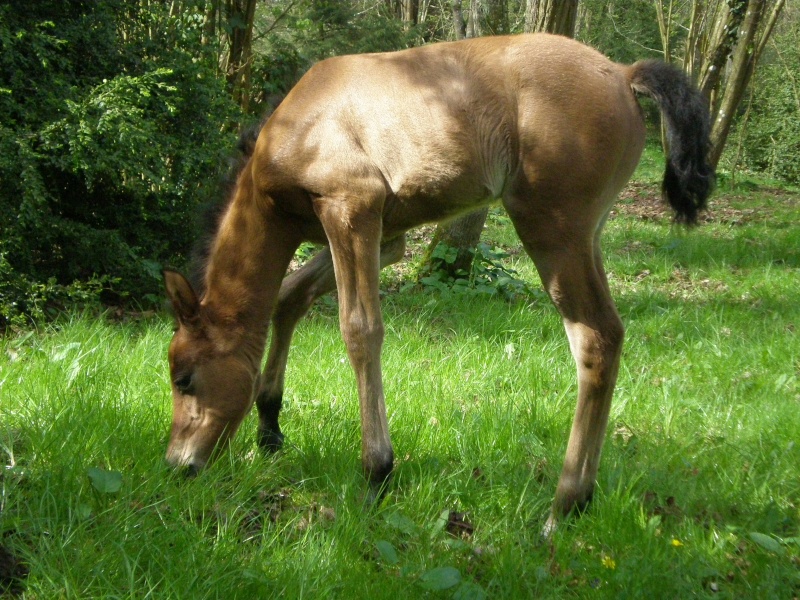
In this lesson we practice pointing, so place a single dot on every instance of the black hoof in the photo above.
(566, 508)
(581, 506)
(270, 441)
(270, 438)
(377, 490)
(379, 477)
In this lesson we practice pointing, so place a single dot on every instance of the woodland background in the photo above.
(118, 118)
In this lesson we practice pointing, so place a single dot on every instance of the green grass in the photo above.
(698, 493)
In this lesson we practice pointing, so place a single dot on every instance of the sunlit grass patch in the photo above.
(699, 486)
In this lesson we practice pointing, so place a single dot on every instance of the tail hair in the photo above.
(688, 177)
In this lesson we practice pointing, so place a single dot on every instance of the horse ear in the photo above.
(182, 297)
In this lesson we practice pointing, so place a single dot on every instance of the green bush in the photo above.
(771, 142)
(488, 274)
(25, 301)
(114, 131)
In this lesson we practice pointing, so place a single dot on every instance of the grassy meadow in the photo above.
(699, 486)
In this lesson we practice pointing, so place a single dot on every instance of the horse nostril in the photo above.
(191, 471)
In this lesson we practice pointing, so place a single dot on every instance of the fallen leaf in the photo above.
(327, 513)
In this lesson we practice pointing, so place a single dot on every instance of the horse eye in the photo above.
(184, 384)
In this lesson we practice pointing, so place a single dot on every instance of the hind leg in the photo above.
(595, 334)
(569, 263)
(298, 292)
(576, 283)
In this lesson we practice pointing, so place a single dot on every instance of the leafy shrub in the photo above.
(771, 142)
(24, 301)
(488, 275)
(114, 131)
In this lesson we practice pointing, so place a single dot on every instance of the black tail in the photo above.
(688, 178)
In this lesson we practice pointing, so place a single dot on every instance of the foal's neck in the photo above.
(249, 256)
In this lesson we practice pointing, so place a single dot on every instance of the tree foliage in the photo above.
(770, 133)
(721, 43)
(291, 36)
(111, 133)
(116, 116)
(624, 31)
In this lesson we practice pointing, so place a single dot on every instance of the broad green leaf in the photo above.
(84, 511)
(469, 590)
(387, 552)
(105, 482)
(766, 542)
(440, 578)
(402, 523)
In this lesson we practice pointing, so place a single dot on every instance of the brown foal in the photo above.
(366, 147)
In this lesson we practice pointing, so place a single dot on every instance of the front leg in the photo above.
(353, 228)
(298, 292)
(270, 436)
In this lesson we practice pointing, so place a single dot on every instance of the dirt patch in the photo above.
(12, 573)
(643, 200)
(458, 525)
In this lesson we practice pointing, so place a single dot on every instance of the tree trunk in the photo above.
(665, 28)
(422, 10)
(210, 22)
(552, 16)
(723, 39)
(752, 39)
(724, 42)
(474, 21)
(459, 24)
(408, 13)
(462, 234)
(240, 15)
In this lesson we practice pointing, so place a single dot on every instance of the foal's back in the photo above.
(434, 131)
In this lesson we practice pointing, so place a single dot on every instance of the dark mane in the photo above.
(211, 212)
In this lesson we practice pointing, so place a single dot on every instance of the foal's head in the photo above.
(212, 383)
